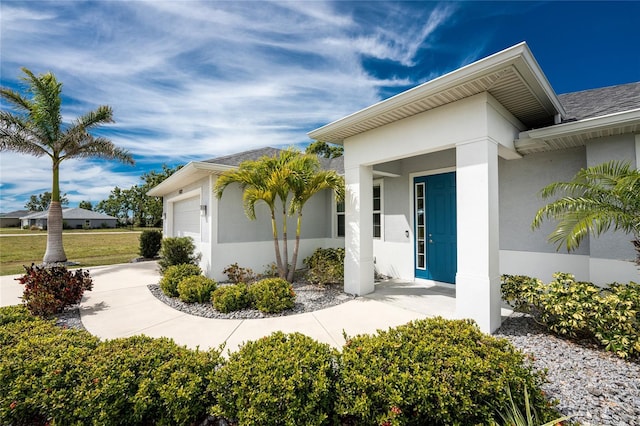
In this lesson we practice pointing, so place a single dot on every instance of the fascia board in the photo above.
(187, 174)
(588, 124)
(518, 56)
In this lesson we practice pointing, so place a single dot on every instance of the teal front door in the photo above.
(435, 227)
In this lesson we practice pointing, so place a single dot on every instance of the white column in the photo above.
(358, 262)
(478, 276)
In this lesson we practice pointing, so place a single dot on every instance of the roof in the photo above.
(512, 76)
(15, 214)
(72, 213)
(602, 101)
(196, 170)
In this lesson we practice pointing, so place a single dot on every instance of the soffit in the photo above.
(512, 77)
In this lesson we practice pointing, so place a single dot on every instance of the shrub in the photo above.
(141, 380)
(433, 371)
(41, 366)
(49, 289)
(197, 288)
(238, 274)
(176, 251)
(150, 243)
(231, 298)
(326, 266)
(609, 315)
(9, 314)
(174, 274)
(272, 295)
(282, 379)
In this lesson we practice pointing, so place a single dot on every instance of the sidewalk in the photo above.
(120, 305)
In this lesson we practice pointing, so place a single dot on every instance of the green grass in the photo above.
(85, 248)
(21, 231)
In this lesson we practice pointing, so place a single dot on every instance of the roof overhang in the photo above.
(576, 133)
(192, 172)
(512, 76)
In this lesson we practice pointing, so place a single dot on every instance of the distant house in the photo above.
(12, 219)
(72, 218)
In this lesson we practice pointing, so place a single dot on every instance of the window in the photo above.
(340, 219)
(377, 208)
(377, 214)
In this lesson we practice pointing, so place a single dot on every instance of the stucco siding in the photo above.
(520, 183)
(612, 244)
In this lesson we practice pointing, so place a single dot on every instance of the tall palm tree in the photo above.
(35, 127)
(597, 199)
(306, 178)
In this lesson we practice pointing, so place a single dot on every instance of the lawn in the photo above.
(83, 247)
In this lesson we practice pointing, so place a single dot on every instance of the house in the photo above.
(219, 227)
(456, 165)
(442, 186)
(12, 219)
(72, 218)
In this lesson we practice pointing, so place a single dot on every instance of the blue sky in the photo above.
(191, 80)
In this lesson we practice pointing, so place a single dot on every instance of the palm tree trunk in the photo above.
(296, 248)
(285, 264)
(276, 244)
(55, 251)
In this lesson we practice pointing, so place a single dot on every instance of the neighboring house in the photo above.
(456, 165)
(72, 218)
(219, 227)
(12, 219)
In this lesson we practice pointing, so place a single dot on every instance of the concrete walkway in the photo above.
(120, 305)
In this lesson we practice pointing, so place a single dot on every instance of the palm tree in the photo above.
(305, 180)
(597, 199)
(36, 128)
(290, 178)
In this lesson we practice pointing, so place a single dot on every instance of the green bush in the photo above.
(141, 380)
(435, 372)
(150, 243)
(41, 366)
(238, 274)
(197, 288)
(326, 266)
(282, 379)
(9, 314)
(177, 251)
(608, 315)
(49, 289)
(272, 295)
(174, 274)
(231, 298)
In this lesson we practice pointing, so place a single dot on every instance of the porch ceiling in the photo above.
(512, 76)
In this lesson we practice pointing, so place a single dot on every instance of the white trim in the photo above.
(191, 172)
(334, 218)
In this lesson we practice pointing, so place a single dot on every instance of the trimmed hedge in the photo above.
(435, 372)
(326, 266)
(282, 379)
(174, 274)
(177, 251)
(231, 298)
(197, 288)
(272, 295)
(150, 243)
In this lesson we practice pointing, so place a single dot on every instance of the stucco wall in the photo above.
(613, 244)
(235, 227)
(520, 183)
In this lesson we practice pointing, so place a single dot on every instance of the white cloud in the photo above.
(198, 79)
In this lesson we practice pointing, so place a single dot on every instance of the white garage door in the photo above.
(186, 218)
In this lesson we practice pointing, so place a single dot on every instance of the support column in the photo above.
(478, 276)
(358, 262)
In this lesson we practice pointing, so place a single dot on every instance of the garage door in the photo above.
(186, 218)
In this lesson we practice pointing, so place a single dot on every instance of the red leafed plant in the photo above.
(49, 289)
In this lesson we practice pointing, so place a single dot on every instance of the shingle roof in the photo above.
(336, 164)
(601, 101)
(15, 214)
